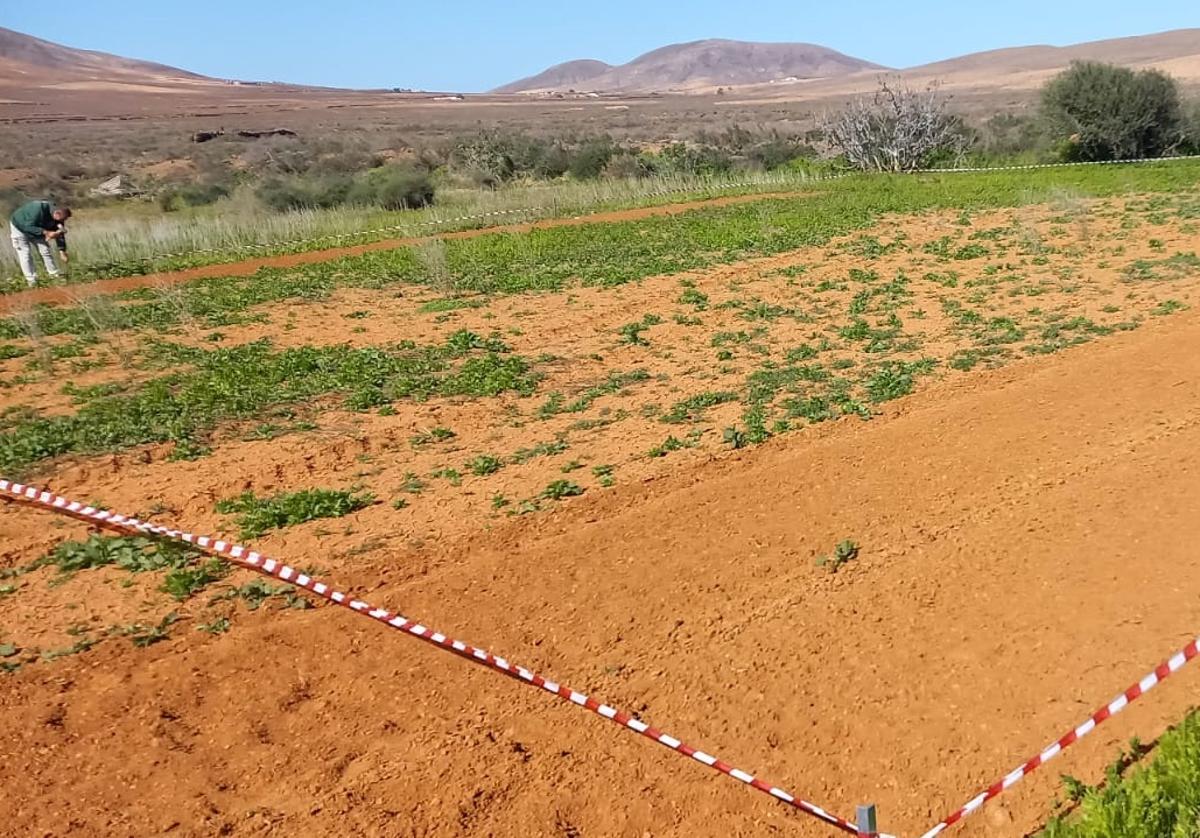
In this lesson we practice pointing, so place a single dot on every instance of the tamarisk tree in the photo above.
(899, 129)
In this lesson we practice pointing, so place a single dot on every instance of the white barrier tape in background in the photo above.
(284, 246)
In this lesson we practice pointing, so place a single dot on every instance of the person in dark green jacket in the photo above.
(35, 225)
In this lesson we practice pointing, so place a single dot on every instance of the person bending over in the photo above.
(36, 225)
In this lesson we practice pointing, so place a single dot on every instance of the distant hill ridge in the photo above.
(695, 65)
(37, 69)
(701, 66)
(26, 55)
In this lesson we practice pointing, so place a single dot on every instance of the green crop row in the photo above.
(244, 381)
(605, 254)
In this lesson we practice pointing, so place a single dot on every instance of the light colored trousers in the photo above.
(24, 247)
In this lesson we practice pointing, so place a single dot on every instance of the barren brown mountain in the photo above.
(1012, 74)
(804, 71)
(700, 65)
(1136, 50)
(565, 76)
(44, 81)
(41, 81)
(43, 62)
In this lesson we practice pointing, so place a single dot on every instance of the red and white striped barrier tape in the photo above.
(1160, 673)
(244, 557)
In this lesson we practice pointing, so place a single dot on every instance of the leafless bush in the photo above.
(432, 256)
(101, 310)
(27, 317)
(172, 297)
(897, 130)
(1072, 205)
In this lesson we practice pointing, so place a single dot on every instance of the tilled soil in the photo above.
(1026, 539)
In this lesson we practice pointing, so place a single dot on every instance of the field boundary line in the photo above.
(1159, 674)
(437, 222)
(1029, 166)
(540, 211)
(251, 560)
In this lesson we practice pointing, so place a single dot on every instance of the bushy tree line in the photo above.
(1089, 112)
(292, 173)
(493, 157)
(393, 187)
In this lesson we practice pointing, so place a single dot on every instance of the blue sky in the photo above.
(474, 45)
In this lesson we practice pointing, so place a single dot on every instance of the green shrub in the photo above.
(1103, 112)
(192, 195)
(684, 158)
(591, 158)
(394, 187)
(488, 158)
(1191, 141)
(779, 152)
(626, 166)
(298, 192)
(1159, 800)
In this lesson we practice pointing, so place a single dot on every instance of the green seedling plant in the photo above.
(142, 635)
(604, 475)
(217, 626)
(78, 647)
(692, 408)
(542, 449)
(256, 516)
(433, 435)
(631, 333)
(844, 552)
(561, 489)
(412, 484)
(133, 553)
(184, 583)
(450, 475)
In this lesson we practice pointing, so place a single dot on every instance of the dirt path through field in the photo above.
(1027, 551)
(247, 267)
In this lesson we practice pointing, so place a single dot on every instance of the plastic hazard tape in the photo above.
(244, 557)
(1031, 166)
(1160, 673)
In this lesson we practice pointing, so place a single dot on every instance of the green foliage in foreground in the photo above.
(256, 516)
(135, 554)
(607, 254)
(242, 381)
(1161, 800)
